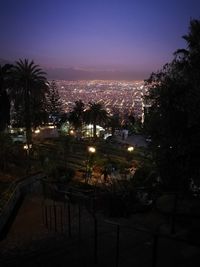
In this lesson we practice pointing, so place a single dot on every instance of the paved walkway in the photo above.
(29, 243)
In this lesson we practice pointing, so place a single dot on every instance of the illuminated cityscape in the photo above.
(123, 97)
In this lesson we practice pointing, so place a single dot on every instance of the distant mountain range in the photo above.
(81, 74)
(77, 74)
(4, 61)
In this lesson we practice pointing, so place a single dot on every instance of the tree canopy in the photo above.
(29, 93)
(5, 82)
(96, 114)
(76, 116)
(173, 120)
(54, 100)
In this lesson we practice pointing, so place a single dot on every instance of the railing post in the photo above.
(79, 222)
(46, 216)
(55, 217)
(50, 217)
(61, 218)
(95, 240)
(155, 250)
(69, 219)
(117, 246)
(173, 215)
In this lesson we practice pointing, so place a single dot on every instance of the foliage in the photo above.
(174, 117)
(5, 151)
(61, 174)
(138, 127)
(76, 117)
(5, 83)
(28, 94)
(96, 114)
(145, 176)
(54, 104)
(114, 123)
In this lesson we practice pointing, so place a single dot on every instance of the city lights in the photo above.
(123, 97)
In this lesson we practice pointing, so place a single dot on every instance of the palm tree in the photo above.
(114, 123)
(96, 114)
(76, 116)
(30, 84)
(5, 76)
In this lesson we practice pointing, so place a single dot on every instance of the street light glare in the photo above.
(130, 149)
(27, 147)
(37, 131)
(91, 149)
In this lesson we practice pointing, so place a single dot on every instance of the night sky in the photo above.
(95, 34)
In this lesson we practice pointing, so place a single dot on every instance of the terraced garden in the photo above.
(66, 161)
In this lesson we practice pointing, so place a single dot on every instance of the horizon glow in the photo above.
(115, 34)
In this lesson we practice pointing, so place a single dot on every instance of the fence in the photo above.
(75, 220)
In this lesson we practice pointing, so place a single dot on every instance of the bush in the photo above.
(5, 150)
(61, 174)
(144, 176)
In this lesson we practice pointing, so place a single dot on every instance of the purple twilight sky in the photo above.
(125, 35)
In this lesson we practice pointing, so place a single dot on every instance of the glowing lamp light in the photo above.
(37, 131)
(71, 132)
(26, 147)
(130, 149)
(91, 149)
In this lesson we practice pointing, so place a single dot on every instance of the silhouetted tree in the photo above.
(29, 88)
(5, 83)
(5, 150)
(76, 117)
(54, 100)
(114, 123)
(96, 114)
(131, 119)
(174, 117)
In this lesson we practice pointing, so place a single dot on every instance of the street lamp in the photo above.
(130, 149)
(89, 163)
(27, 148)
(91, 149)
(71, 132)
(37, 131)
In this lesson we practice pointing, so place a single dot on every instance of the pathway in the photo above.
(30, 244)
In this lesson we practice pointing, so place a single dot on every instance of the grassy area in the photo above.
(68, 157)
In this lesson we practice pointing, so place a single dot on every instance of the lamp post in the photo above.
(27, 148)
(89, 164)
(91, 150)
(130, 150)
